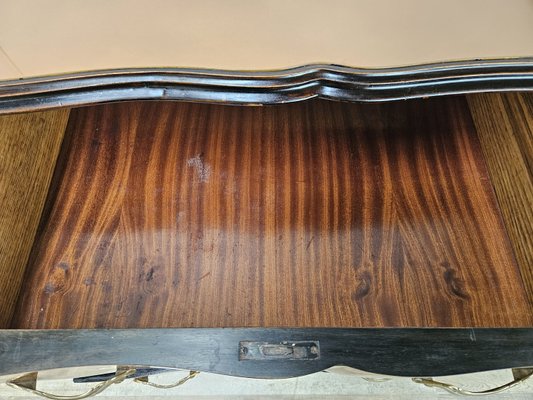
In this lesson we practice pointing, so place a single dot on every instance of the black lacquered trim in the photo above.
(390, 351)
(266, 87)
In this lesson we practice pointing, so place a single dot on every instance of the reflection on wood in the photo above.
(505, 126)
(29, 145)
(314, 214)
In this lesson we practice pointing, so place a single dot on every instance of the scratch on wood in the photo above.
(204, 276)
(203, 170)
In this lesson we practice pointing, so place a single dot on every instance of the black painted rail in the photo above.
(413, 352)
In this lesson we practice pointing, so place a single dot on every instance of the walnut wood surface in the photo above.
(29, 146)
(505, 126)
(315, 214)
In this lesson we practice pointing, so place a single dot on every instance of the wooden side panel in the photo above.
(29, 146)
(315, 214)
(505, 126)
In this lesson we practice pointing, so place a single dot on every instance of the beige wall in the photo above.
(43, 37)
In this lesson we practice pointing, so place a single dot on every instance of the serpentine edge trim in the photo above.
(266, 87)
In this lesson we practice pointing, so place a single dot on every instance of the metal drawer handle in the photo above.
(519, 374)
(28, 383)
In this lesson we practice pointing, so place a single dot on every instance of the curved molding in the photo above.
(411, 352)
(266, 87)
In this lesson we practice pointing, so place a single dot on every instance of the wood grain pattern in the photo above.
(505, 127)
(315, 214)
(29, 145)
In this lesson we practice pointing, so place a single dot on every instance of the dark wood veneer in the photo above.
(316, 214)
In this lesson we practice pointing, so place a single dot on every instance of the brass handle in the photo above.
(144, 381)
(28, 383)
(520, 375)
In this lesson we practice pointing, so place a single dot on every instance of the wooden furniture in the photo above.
(313, 215)
(249, 232)
(316, 214)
